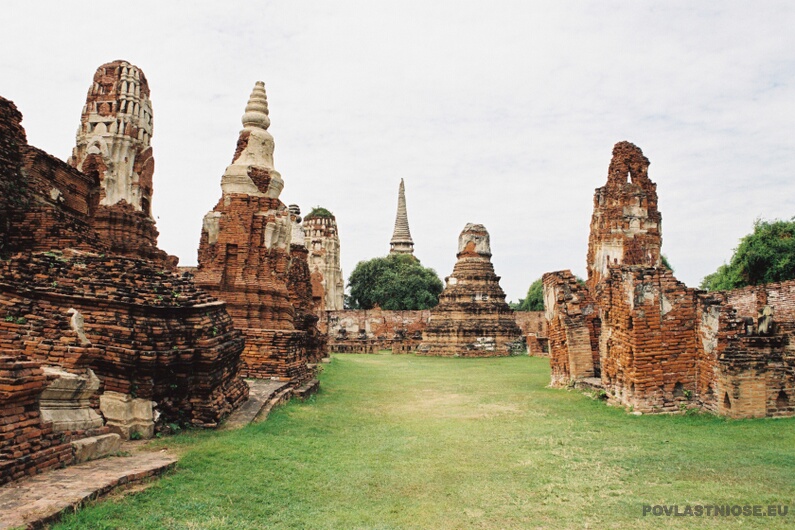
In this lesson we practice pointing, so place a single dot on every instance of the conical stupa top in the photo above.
(401, 238)
(257, 108)
(254, 151)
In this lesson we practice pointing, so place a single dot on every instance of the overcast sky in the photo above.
(500, 113)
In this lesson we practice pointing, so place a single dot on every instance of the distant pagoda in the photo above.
(401, 238)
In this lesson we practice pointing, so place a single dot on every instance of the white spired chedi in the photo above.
(257, 150)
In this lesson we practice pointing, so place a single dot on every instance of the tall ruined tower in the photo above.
(472, 318)
(244, 252)
(322, 240)
(113, 150)
(626, 225)
(401, 242)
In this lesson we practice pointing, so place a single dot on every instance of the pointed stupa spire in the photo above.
(251, 171)
(401, 238)
(257, 108)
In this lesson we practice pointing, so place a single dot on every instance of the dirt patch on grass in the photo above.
(438, 403)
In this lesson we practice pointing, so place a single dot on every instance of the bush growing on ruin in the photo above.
(766, 255)
(396, 282)
(319, 211)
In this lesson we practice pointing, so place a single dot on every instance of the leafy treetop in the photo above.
(396, 282)
(766, 255)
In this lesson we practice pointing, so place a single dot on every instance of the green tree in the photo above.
(766, 255)
(534, 301)
(396, 282)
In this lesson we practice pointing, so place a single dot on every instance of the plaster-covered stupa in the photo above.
(472, 318)
(401, 242)
(244, 252)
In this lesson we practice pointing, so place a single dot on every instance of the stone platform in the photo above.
(39, 500)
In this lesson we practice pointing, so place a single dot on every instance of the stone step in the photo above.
(307, 389)
(39, 500)
(95, 447)
(283, 396)
(261, 393)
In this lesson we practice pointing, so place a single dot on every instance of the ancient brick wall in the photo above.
(748, 301)
(534, 328)
(377, 322)
(371, 330)
(573, 328)
(648, 343)
(14, 193)
(743, 374)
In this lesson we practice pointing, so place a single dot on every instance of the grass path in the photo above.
(414, 442)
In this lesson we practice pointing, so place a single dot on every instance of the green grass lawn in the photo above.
(417, 442)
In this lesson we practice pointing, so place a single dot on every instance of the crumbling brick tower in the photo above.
(90, 304)
(626, 225)
(647, 350)
(472, 318)
(244, 252)
(632, 311)
(662, 346)
(113, 151)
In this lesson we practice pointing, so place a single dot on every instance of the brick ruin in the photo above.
(535, 330)
(247, 257)
(650, 341)
(322, 240)
(97, 328)
(472, 318)
(300, 287)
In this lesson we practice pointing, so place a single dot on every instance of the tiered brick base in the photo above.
(472, 318)
(27, 446)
